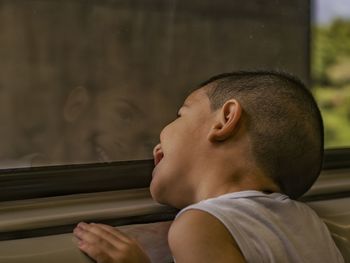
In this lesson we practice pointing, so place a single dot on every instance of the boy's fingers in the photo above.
(85, 235)
(100, 255)
(91, 234)
(115, 232)
(94, 233)
(106, 244)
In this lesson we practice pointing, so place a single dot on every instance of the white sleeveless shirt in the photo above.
(272, 228)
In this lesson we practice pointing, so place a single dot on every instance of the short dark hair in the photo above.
(284, 123)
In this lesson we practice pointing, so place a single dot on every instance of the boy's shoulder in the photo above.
(197, 236)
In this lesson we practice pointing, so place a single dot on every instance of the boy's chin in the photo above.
(153, 191)
(156, 194)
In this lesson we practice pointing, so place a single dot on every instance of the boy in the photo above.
(242, 143)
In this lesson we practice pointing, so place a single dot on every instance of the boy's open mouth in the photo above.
(158, 156)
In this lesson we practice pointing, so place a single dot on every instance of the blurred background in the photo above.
(330, 67)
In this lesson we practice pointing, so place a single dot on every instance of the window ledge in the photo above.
(44, 214)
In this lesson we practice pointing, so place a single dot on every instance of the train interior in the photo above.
(75, 147)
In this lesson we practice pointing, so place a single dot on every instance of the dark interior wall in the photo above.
(150, 53)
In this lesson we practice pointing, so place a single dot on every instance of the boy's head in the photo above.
(276, 124)
(284, 123)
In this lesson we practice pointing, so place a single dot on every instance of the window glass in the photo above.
(331, 68)
(85, 81)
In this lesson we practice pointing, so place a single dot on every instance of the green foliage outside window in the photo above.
(331, 79)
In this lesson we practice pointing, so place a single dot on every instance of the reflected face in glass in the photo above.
(114, 126)
(122, 130)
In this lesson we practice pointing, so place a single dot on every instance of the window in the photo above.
(331, 68)
(95, 81)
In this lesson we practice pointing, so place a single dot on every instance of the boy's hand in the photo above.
(105, 244)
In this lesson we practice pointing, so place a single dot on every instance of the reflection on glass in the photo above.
(331, 68)
(95, 81)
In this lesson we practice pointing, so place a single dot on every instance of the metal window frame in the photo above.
(37, 182)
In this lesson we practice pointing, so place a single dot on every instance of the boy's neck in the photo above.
(218, 183)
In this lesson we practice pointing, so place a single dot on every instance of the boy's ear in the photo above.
(77, 102)
(226, 122)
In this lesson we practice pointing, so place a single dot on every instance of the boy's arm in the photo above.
(197, 236)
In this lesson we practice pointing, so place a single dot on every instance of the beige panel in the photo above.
(66, 210)
(336, 214)
(63, 248)
(331, 182)
(53, 249)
